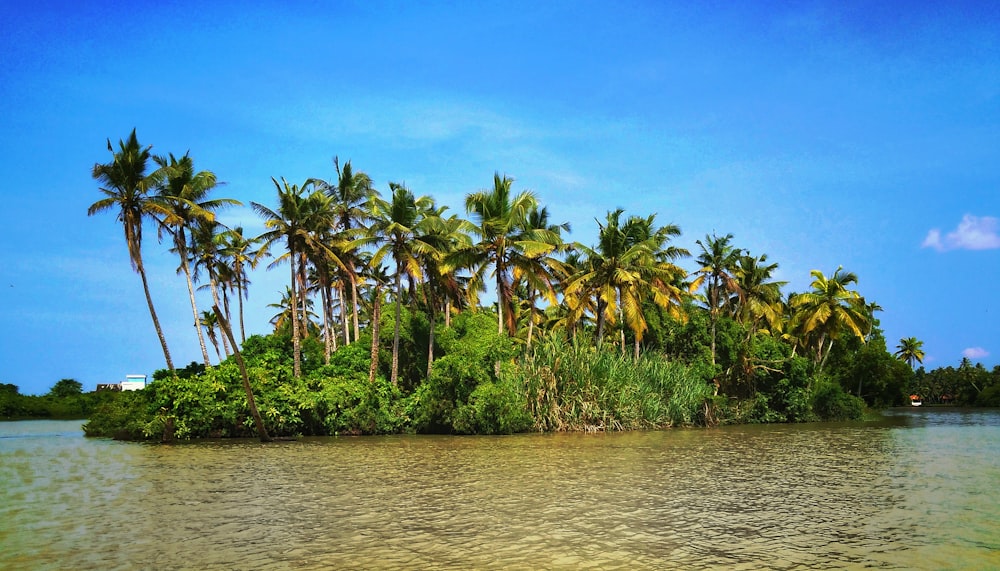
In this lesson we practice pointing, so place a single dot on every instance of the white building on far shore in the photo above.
(131, 383)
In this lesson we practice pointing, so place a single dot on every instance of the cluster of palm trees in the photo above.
(167, 190)
(338, 238)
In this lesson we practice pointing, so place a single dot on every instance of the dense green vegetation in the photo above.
(605, 337)
(65, 400)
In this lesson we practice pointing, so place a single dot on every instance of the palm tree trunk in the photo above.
(243, 331)
(303, 297)
(376, 326)
(712, 318)
(343, 312)
(819, 350)
(447, 314)
(499, 298)
(600, 321)
(215, 344)
(215, 297)
(152, 313)
(296, 357)
(325, 294)
(395, 334)
(635, 353)
(225, 305)
(251, 404)
(430, 344)
(826, 354)
(354, 303)
(531, 314)
(194, 309)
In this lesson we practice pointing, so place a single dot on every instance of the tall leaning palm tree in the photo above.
(910, 349)
(126, 187)
(184, 194)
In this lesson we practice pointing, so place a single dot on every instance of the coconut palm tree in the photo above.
(205, 257)
(240, 252)
(210, 322)
(379, 278)
(498, 219)
(910, 349)
(541, 271)
(630, 264)
(126, 187)
(285, 307)
(829, 311)
(718, 261)
(442, 285)
(287, 224)
(396, 228)
(184, 194)
(760, 303)
(352, 195)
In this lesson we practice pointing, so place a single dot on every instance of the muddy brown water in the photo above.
(917, 490)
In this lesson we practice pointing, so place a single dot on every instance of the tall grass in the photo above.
(572, 386)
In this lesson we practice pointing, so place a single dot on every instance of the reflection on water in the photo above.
(915, 491)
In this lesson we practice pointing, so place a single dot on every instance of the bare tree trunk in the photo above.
(324, 295)
(711, 317)
(239, 291)
(354, 303)
(152, 313)
(430, 345)
(395, 335)
(258, 421)
(194, 310)
(600, 321)
(376, 326)
(826, 354)
(215, 344)
(296, 357)
(343, 312)
(303, 298)
(499, 300)
(531, 314)
(215, 297)
(225, 304)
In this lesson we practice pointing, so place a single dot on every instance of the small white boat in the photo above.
(915, 400)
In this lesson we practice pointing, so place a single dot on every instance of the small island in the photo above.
(382, 328)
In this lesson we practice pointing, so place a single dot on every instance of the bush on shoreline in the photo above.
(481, 383)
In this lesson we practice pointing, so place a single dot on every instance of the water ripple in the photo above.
(906, 495)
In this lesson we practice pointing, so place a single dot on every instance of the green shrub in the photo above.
(122, 415)
(494, 408)
(832, 403)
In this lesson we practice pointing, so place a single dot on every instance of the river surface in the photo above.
(918, 490)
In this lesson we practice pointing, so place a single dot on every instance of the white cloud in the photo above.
(973, 233)
(975, 353)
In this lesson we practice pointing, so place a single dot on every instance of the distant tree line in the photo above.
(65, 399)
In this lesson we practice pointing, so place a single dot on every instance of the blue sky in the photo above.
(822, 133)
